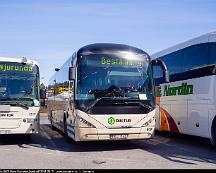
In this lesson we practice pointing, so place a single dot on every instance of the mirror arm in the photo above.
(157, 62)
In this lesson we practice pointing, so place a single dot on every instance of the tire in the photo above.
(213, 134)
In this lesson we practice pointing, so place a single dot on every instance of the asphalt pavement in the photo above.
(49, 150)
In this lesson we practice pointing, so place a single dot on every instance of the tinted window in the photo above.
(173, 62)
(157, 72)
(212, 53)
(195, 56)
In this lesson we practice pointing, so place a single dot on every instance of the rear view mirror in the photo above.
(72, 73)
(157, 62)
(57, 69)
(166, 76)
(42, 93)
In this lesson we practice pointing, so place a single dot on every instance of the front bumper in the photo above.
(93, 134)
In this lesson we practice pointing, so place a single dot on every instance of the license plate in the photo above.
(121, 136)
(4, 131)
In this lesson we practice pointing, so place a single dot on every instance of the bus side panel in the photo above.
(179, 115)
(58, 115)
(198, 105)
(198, 119)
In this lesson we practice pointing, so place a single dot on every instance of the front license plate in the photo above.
(115, 136)
(4, 131)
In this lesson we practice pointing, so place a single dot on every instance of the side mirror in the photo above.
(72, 73)
(166, 76)
(57, 69)
(157, 62)
(42, 93)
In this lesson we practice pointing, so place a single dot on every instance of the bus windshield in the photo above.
(18, 82)
(114, 77)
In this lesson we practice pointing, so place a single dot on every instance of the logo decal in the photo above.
(183, 89)
(111, 120)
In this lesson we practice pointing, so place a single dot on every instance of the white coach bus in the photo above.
(188, 103)
(19, 96)
(104, 92)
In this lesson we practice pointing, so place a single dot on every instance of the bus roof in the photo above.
(209, 37)
(104, 48)
(9, 59)
(107, 48)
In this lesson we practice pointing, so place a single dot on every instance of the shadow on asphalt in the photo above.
(177, 148)
(54, 140)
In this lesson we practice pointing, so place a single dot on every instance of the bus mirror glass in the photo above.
(42, 93)
(57, 69)
(166, 76)
(162, 65)
(72, 73)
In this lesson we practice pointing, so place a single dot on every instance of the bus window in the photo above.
(212, 54)
(173, 62)
(195, 56)
(157, 72)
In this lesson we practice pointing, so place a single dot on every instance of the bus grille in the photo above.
(118, 110)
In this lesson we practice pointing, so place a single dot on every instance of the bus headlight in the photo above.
(148, 122)
(84, 123)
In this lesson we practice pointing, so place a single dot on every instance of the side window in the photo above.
(212, 53)
(195, 56)
(173, 62)
(157, 72)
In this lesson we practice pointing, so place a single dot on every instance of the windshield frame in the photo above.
(149, 74)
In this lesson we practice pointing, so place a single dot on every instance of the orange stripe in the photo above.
(164, 126)
(170, 121)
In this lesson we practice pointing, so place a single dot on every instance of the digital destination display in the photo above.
(101, 61)
(15, 67)
(120, 61)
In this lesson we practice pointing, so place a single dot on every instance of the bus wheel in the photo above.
(213, 134)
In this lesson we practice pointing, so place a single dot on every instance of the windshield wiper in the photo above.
(112, 91)
(19, 104)
(17, 98)
(145, 106)
(25, 98)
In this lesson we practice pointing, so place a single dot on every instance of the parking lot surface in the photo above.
(49, 150)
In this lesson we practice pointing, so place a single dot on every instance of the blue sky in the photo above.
(49, 31)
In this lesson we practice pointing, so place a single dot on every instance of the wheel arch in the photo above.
(213, 131)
